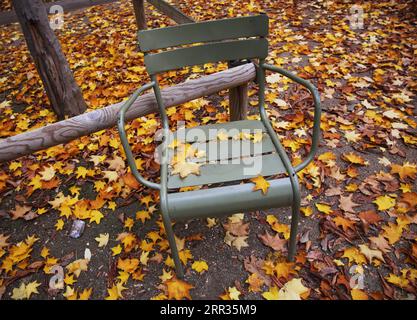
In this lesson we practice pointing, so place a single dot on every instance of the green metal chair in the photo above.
(214, 44)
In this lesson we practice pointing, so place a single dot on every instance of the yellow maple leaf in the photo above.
(35, 182)
(116, 250)
(144, 257)
(142, 215)
(128, 265)
(200, 266)
(99, 185)
(407, 170)
(129, 222)
(398, 281)
(96, 216)
(98, 159)
(102, 239)
(81, 172)
(392, 232)
(384, 202)
(123, 276)
(44, 252)
(85, 295)
(59, 224)
(115, 292)
(77, 266)
(25, 290)
(307, 211)
(166, 275)
(354, 255)
(234, 293)
(178, 289)
(271, 294)
(358, 294)
(69, 279)
(324, 208)
(70, 293)
(260, 184)
(354, 158)
(185, 255)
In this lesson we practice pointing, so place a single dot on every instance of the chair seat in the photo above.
(230, 159)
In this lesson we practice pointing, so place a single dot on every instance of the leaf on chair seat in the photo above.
(186, 168)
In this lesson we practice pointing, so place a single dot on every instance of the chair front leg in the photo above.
(172, 243)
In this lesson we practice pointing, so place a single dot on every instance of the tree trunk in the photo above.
(63, 92)
(139, 8)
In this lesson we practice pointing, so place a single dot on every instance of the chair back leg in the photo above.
(295, 217)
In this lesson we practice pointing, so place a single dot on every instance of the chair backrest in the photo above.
(249, 42)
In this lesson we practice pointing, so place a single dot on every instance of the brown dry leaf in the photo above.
(275, 242)
(3, 241)
(369, 217)
(370, 253)
(333, 191)
(116, 164)
(347, 204)
(344, 223)
(19, 212)
(410, 198)
(237, 229)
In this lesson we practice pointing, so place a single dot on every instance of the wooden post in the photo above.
(87, 123)
(63, 92)
(139, 8)
(238, 100)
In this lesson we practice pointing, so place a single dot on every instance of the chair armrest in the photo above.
(317, 111)
(123, 137)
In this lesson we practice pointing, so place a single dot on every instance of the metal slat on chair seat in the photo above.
(231, 149)
(229, 199)
(226, 149)
(209, 132)
(269, 164)
(224, 164)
